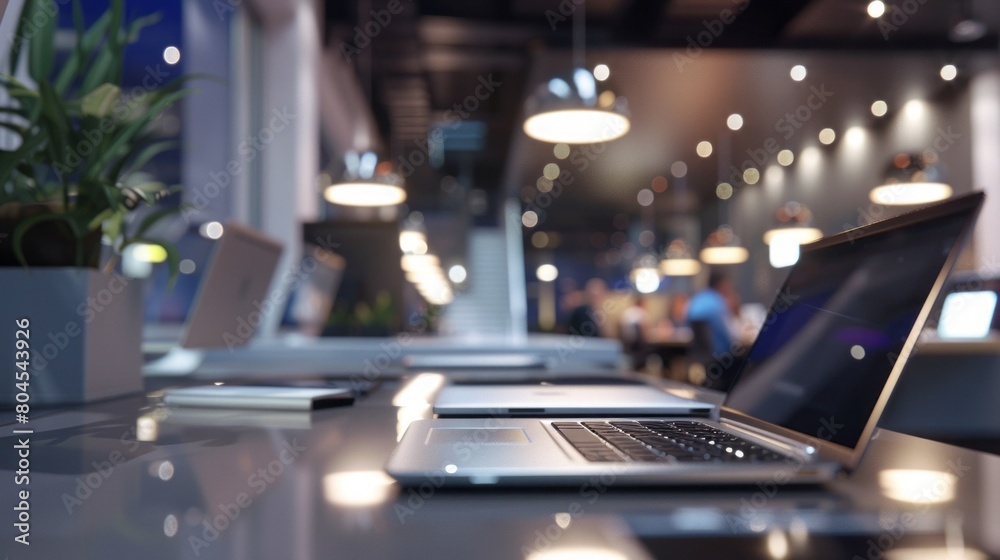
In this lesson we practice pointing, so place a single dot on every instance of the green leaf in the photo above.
(14, 111)
(100, 101)
(102, 71)
(19, 130)
(121, 139)
(114, 226)
(99, 219)
(115, 44)
(142, 158)
(27, 97)
(55, 122)
(75, 62)
(22, 228)
(41, 47)
(8, 81)
(10, 160)
(140, 23)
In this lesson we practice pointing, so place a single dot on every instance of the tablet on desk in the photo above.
(259, 397)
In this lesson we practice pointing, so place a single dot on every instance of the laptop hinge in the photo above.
(787, 444)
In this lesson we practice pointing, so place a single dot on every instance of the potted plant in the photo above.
(67, 189)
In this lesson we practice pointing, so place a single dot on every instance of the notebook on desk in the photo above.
(802, 409)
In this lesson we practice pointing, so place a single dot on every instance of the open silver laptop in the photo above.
(804, 407)
(231, 300)
(535, 400)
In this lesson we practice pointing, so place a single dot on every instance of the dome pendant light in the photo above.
(912, 179)
(576, 108)
(791, 231)
(366, 182)
(723, 247)
(677, 260)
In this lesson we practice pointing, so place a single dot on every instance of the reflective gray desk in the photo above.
(124, 479)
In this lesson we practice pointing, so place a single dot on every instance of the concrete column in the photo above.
(289, 107)
(985, 116)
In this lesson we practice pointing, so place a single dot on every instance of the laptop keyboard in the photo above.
(660, 441)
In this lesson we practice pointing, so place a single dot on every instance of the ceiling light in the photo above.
(751, 176)
(724, 255)
(171, 55)
(880, 108)
(416, 263)
(967, 26)
(735, 121)
(948, 72)
(911, 179)
(799, 233)
(529, 219)
(967, 30)
(547, 273)
(677, 260)
(645, 197)
(723, 247)
(876, 8)
(786, 157)
(724, 191)
(783, 243)
(798, 72)
(827, 136)
(567, 109)
(704, 148)
(412, 242)
(645, 274)
(366, 182)
(854, 136)
(211, 230)
(903, 194)
(601, 72)
(457, 274)
(915, 109)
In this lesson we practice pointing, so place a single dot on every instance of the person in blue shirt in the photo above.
(712, 306)
(711, 314)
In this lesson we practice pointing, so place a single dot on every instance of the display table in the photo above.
(127, 479)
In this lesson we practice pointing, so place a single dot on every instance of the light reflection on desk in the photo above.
(918, 486)
(357, 488)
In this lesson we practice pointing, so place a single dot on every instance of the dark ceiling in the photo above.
(432, 54)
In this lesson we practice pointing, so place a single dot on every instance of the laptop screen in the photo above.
(829, 343)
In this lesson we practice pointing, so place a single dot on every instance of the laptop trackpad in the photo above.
(485, 436)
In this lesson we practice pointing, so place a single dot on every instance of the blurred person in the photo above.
(710, 315)
(583, 321)
(634, 329)
(713, 307)
(678, 309)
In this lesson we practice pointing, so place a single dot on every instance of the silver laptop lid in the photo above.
(234, 293)
(843, 325)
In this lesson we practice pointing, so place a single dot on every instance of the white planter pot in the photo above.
(84, 334)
